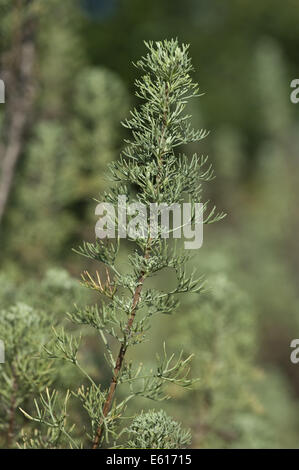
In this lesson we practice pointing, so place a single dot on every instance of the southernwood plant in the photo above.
(151, 169)
(24, 329)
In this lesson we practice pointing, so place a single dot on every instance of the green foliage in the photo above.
(24, 331)
(222, 330)
(240, 331)
(76, 133)
(53, 415)
(125, 307)
(156, 430)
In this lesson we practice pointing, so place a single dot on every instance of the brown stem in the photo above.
(122, 352)
(136, 298)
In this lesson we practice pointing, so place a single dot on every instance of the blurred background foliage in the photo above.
(245, 54)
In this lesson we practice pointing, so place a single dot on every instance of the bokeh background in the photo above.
(69, 79)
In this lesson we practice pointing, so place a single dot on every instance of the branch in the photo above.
(20, 81)
(122, 352)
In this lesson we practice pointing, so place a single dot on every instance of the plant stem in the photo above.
(136, 296)
(122, 352)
